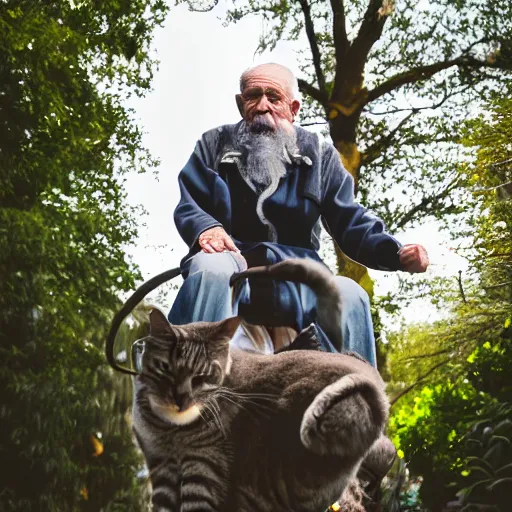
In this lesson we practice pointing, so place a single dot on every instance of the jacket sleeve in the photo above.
(360, 234)
(201, 204)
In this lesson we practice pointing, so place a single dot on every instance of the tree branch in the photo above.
(427, 71)
(423, 356)
(313, 123)
(490, 189)
(440, 103)
(192, 7)
(339, 30)
(494, 286)
(424, 203)
(311, 90)
(461, 288)
(375, 150)
(418, 381)
(409, 77)
(313, 43)
(509, 160)
(369, 32)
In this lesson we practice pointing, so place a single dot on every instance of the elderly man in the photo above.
(257, 191)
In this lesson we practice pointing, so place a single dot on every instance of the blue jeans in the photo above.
(206, 296)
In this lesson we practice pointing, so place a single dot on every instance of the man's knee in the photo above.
(351, 292)
(222, 264)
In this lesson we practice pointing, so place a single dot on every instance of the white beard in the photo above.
(265, 155)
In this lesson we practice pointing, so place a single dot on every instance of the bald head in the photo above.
(268, 97)
(275, 72)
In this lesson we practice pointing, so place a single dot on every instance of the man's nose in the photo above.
(263, 105)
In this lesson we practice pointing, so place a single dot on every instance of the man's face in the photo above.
(266, 102)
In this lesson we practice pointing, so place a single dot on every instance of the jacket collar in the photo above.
(231, 148)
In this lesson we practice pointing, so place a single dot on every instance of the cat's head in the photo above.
(181, 366)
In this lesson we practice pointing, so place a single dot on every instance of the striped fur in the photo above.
(177, 420)
(251, 433)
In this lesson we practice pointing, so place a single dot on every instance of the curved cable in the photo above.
(126, 309)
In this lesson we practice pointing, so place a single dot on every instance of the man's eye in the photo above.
(251, 96)
(273, 98)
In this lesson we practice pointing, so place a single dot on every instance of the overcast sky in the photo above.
(193, 91)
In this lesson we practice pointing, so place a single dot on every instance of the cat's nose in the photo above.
(181, 402)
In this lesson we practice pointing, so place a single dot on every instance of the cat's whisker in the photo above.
(219, 414)
(237, 404)
(242, 402)
(207, 409)
(216, 406)
(215, 411)
(249, 397)
(262, 396)
(212, 421)
(203, 417)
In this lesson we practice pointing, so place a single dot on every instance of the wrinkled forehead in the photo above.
(265, 77)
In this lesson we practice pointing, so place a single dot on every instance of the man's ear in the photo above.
(158, 324)
(295, 107)
(240, 104)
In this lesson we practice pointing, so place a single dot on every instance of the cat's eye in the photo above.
(198, 380)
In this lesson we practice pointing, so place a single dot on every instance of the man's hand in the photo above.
(414, 258)
(216, 240)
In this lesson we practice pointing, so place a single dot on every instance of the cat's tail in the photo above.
(319, 278)
(346, 417)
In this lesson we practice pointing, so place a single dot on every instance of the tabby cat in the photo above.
(229, 431)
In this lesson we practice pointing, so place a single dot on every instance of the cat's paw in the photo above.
(345, 418)
(378, 461)
(352, 499)
(307, 339)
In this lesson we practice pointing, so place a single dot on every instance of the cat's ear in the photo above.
(158, 324)
(227, 328)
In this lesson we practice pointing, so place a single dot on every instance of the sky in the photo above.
(193, 91)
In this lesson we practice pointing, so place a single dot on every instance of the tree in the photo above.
(65, 141)
(451, 380)
(394, 79)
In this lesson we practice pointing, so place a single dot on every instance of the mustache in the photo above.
(261, 124)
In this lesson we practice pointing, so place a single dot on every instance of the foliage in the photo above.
(432, 426)
(65, 141)
(400, 490)
(489, 468)
(452, 378)
(393, 78)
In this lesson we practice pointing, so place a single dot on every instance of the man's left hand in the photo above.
(413, 258)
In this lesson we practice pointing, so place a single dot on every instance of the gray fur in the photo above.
(189, 464)
(285, 432)
(307, 444)
(319, 278)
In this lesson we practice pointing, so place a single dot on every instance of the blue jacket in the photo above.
(317, 188)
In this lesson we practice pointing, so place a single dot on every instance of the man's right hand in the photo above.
(216, 240)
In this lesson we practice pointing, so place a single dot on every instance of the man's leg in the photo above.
(205, 294)
(356, 320)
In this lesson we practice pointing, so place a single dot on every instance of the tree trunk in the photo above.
(351, 159)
